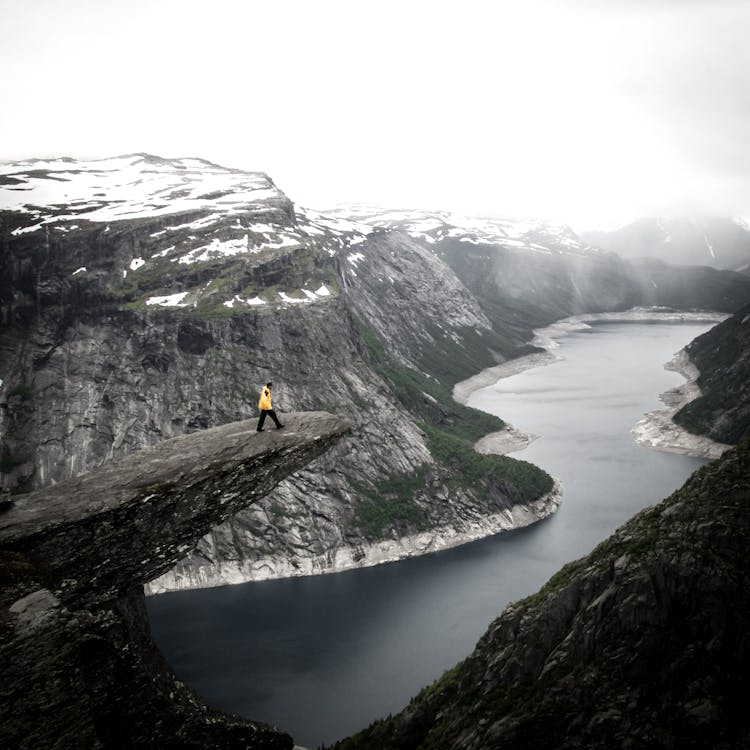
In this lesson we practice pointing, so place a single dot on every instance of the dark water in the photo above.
(322, 656)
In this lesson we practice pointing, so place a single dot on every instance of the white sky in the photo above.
(583, 111)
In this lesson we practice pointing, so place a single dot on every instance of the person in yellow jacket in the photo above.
(266, 408)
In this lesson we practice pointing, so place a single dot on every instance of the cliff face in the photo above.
(143, 299)
(641, 644)
(79, 668)
(722, 355)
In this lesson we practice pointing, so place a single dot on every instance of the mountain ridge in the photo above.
(721, 242)
(119, 334)
(639, 644)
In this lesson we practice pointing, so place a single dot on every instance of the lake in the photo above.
(323, 656)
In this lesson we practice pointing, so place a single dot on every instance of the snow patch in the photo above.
(249, 301)
(164, 252)
(217, 249)
(169, 300)
(131, 187)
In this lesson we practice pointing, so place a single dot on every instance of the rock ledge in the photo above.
(78, 662)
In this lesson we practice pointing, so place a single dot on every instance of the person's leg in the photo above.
(272, 414)
(262, 419)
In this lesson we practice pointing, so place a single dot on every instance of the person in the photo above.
(266, 408)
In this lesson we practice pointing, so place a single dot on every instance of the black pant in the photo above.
(271, 413)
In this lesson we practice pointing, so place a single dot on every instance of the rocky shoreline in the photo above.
(363, 555)
(652, 432)
(655, 430)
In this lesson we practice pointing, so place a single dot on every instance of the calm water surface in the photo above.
(323, 656)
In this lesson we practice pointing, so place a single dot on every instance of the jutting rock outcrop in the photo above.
(78, 664)
(642, 644)
(144, 298)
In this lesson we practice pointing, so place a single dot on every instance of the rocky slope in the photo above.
(642, 644)
(144, 298)
(718, 242)
(722, 356)
(78, 664)
(526, 275)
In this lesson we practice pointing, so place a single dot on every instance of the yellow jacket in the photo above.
(264, 403)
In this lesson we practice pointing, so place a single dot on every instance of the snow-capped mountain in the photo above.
(194, 212)
(718, 242)
(434, 226)
(142, 298)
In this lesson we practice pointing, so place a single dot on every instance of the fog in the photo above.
(585, 111)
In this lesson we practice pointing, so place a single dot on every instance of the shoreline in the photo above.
(654, 430)
(365, 555)
(658, 431)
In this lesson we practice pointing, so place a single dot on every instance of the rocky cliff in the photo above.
(79, 668)
(722, 356)
(145, 298)
(642, 644)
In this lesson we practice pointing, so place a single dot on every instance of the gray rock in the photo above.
(79, 668)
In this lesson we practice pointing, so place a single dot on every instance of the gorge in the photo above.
(144, 299)
(323, 656)
(78, 663)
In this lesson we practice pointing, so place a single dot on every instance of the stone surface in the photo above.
(641, 644)
(79, 668)
(124, 325)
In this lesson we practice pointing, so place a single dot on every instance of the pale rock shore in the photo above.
(363, 555)
(656, 429)
(507, 440)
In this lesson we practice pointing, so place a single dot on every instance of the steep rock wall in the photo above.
(640, 644)
(79, 668)
(103, 381)
(119, 335)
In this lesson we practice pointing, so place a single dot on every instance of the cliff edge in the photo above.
(79, 667)
(641, 644)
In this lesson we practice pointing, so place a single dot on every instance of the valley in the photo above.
(145, 299)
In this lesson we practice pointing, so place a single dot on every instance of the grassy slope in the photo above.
(451, 430)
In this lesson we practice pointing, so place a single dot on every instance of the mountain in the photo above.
(718, 242)
(640, 644)
(144, 298)
(78, 663)
(722, 355)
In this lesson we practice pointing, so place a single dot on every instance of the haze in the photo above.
(583, 111)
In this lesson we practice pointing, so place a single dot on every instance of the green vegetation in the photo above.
(278, 511)
(391, 504)
(429, 399)
(722, 355)
(8, 461)
(522, 480)
(22, 391)
(451, 430)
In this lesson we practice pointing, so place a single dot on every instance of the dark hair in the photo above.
(269, 385)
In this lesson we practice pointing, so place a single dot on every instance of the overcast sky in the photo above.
(585, 111)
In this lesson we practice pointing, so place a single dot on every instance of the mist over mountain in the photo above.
(717, 242)
(144, 298)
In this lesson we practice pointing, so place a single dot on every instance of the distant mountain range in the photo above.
(718, 242)
(143, 298)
